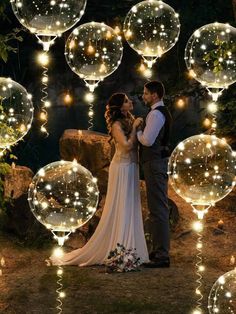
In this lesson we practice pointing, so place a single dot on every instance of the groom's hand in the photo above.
(138, 122)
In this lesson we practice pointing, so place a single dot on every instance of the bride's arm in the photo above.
(120, 138)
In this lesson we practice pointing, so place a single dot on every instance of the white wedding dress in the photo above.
(121, 220)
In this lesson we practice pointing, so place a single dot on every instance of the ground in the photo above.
(28, 286)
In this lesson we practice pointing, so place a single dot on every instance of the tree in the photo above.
(6, 39)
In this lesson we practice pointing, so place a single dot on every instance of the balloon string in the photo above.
(90, 114)
(44, 113)
(198, 273)
(59, 289)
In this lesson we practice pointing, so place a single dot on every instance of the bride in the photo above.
(121, 220)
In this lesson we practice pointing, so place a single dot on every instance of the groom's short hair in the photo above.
(156, 87)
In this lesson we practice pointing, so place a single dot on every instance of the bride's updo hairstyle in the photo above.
(113, 113)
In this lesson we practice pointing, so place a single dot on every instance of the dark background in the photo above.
(35, 150)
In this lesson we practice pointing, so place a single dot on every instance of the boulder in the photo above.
(18, 218)
(91, 149)
(17, 181)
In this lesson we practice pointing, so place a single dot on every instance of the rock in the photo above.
(18, 218)
(91, 149)
(16, 182)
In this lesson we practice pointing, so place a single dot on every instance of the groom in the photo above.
(154, 161)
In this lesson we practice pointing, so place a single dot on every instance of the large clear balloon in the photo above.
(93, 51)
(210, 56)
(16, 112)
(50, 17)
(222, 298)
(151, 28)
(63, 196)
(202, 170)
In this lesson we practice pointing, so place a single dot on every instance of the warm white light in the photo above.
(180, 103)
(147, 73)
(58, 252)
(89, 97)
(68, 99)
(43, 59)
(62, 295)
(198, 226)
(47, 104)
(201, 268)
(212, 107)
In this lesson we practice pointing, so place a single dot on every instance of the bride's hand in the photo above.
(137, 123)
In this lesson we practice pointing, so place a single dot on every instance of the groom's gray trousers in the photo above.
(156, 178)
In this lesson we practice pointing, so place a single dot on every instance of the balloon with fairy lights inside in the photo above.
(48, 19)
(202, 171)
(222, 298)
(63, 196)
(93, 51)
(210, 56)
(151, 28)
(16, 112)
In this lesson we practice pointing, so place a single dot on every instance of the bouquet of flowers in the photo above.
(122, 260)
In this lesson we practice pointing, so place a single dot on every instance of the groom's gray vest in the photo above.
(160, 148)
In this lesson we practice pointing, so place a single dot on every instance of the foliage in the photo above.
(4, 169)
(6, 39)
(221, 50)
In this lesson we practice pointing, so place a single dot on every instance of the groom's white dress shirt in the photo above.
(154, 122)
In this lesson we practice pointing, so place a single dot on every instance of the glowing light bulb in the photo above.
(89, 97)
(43, 59)
(62, 294)
(47, 104)
(147, 73)
(142, 67)
(198, 226)
(192, 74)
(68, 99)
(117, 30)
(180, 103)
(103, 68)
(90, 49)
(212, 107)
(207, 123)
(43, 116)
(58, 252)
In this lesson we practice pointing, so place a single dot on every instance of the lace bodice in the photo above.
(126, 149)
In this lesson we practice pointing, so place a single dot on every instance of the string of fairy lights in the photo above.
(63, 196)
(202, 172)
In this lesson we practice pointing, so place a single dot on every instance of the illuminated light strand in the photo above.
(59, 291)
(44, 101)
(212, 108)
(89, 98)
(198, 267)
(90, 115)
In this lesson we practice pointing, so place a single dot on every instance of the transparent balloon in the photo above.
(222, 298)
(93, 51)
(50, 17)
(16, 112)
(63, 196)
(151, 28)
(210, 56)
(202, 170)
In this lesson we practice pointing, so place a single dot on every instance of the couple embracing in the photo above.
(121, 220)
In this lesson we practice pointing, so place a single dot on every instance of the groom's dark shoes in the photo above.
(156, 262)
